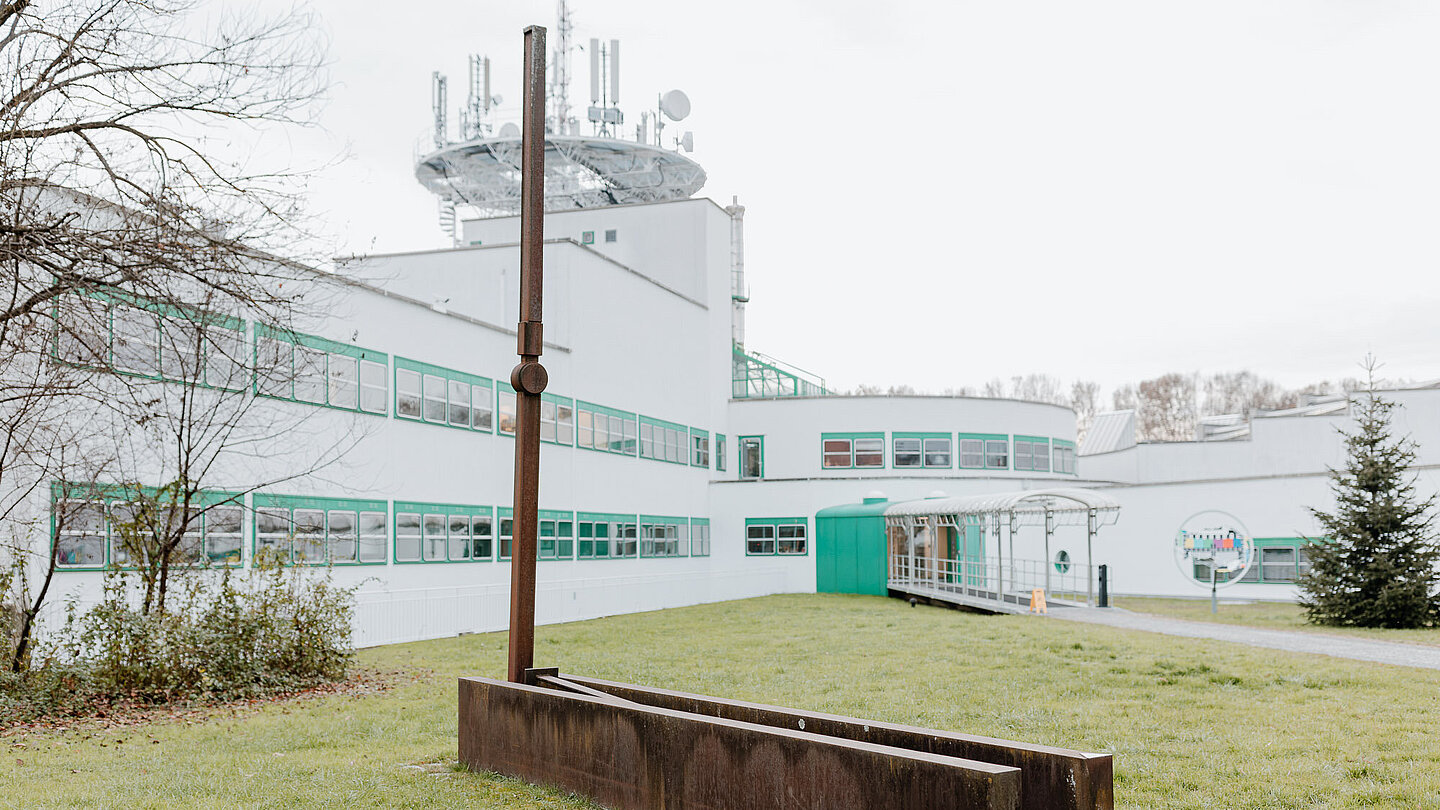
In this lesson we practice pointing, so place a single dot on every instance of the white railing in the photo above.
(1002, 581)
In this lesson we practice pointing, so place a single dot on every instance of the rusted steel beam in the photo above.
(633, 757)
(1050, 778)
(529, 377)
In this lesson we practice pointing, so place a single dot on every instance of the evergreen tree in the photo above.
(1377, 567)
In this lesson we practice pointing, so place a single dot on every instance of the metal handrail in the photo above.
(986, 578)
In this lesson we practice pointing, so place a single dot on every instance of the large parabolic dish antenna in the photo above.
(580, 172)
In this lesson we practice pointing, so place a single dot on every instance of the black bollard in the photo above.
(1104, 586)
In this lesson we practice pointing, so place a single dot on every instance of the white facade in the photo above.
(638, 325)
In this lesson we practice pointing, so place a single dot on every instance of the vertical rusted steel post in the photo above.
(529, 377)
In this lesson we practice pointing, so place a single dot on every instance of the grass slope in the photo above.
(1193, 724)
(1271, 616)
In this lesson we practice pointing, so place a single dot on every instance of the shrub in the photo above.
(229, 635)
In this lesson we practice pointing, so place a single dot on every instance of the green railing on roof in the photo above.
(753, 377)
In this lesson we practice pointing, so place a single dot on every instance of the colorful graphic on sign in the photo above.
(1214, 544)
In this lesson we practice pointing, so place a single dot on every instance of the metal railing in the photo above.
(1007, 582)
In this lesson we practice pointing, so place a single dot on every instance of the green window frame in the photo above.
(436, 395)
(699, 448)
(1278, 561)
(664, 536)
(606, 535)
(664, 441)
(752, 456)
(428, 532)
(785, 537)
(605, 430)
(992, 451)
(557, 420)
(140, 338)
(555, 534)
(1031, 453)
(846, 451)
(1064, 456)
(719, 452)
(312, 530)
(86, 527)
(699, 537)
(915, 450)
(317, 371)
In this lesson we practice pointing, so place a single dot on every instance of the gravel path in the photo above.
(1384, 652)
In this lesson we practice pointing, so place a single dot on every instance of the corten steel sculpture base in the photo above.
(632, 747)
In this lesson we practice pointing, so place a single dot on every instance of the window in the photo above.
(222, 534)
(720, 452)
(972, 454)
(313, 531)
(603, 536)
(441, 396)
(752, 456)
(433, 532)
(664, 537)
(407, 394)
(80, 537)
(557, 420)
(136, 341)
(1064, 454)
(315, 370)
(1278, 564)
(1032, 453)
(372, 386)
(434, 407)
(606, 429)
(508, 422)
(785, 536)
(700, 537)
(610, 236)
(555, 534)
(667, 441)
(911, 450)
(907, 451)
(1062, 561)
(699, 448)
(847, 450)
(997, 454)
(587, 237)
(760, 539)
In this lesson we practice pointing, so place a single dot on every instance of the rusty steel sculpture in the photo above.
(629, 746)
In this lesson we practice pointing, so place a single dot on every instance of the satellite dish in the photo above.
(687, 141)
(675, 104)
(509, 130)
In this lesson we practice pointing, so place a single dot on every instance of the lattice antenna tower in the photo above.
(438, 105)
(561, 122)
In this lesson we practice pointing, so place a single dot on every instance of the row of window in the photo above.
(937, 451)
(1279, 560)
(777, 536)
(320, 531)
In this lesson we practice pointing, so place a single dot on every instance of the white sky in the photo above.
(939, 193)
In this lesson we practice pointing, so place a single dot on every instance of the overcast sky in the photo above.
(939, 193)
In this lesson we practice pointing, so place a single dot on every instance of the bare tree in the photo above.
(1167, 408)
(1085, 401)
(1243, 391)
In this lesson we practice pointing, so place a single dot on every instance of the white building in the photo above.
(677, 466)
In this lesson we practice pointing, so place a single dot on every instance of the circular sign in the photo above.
(1217, 542)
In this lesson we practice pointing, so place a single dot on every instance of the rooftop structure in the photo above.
(479, 173)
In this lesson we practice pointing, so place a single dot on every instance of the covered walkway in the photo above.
(938, 549)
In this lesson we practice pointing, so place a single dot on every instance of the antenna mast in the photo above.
(560, 70)
(438, 104)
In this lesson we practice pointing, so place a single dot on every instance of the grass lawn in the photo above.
(1191, 723)
(1269, 615)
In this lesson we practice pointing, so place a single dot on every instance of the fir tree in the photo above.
(1377, 567)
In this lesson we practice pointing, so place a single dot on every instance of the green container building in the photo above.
(850, 553)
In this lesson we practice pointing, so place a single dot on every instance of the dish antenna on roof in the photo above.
(675, 104)
(509, 130)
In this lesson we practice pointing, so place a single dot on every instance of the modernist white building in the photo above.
(677, 465)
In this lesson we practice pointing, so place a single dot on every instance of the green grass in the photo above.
(1268, 615)
(1192, 723)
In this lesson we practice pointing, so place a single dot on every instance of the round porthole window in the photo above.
(1062, 561)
